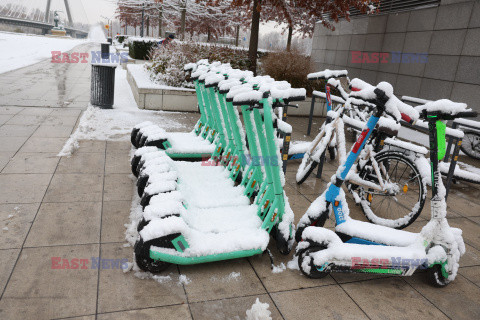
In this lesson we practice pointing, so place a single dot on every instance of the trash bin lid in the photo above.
(108, 64)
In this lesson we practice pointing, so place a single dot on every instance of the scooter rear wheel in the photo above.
(133, 137)
(436, 277)
(282, 245)
(138, 138)
(142, 253)
(313, 272)
(134, 163)
(141, 184)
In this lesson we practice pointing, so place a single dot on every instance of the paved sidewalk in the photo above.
(76, 208)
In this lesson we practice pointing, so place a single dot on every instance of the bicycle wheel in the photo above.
(402, 201)
(471, 144)
(306, 168)
(308, 163)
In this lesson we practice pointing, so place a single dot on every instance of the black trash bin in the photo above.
(103, 85)
(105, 50)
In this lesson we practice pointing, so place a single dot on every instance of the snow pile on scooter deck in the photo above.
(189, 142)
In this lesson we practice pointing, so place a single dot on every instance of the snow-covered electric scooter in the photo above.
(201, 216)
(362, 247)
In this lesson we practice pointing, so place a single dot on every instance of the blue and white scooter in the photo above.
(362, 247)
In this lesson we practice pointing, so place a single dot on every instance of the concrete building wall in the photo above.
(449, 33)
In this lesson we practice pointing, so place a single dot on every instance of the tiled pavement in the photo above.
(77, 207)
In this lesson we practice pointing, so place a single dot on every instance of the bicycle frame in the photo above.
(333, 191)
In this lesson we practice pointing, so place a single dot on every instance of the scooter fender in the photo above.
(321, 236)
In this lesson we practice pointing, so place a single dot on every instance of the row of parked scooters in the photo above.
(217, 193)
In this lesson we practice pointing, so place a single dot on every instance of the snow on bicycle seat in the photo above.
(388, 126)
(327, 74)
(376, 233)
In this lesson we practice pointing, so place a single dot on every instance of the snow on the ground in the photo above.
(114, 124)
(21, 50)
(280, 268)
(259, 311)
(183, 279)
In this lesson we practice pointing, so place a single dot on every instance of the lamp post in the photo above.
(109, 23)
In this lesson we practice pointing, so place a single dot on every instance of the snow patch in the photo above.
(114, 124)
(280, 268)
(183, 279)
(259, 311)
(24, 49)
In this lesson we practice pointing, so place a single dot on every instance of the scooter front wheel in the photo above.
(436, 277)
(308, 268)
(319, 222)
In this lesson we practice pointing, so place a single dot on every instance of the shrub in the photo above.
(292, 66)
(167, 65)
(121, 38)
(139, 48)
(168, 61)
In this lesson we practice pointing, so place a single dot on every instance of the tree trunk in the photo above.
(160, 22)
(209, 34)
(252, 52)
(126, 24)
(289, 39)
(237, 35)
(148, 26)
(142, 28)
(182, 20)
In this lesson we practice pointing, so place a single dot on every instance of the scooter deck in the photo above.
(376, 233)
(188, 144)
(348, 257)
(206, 186)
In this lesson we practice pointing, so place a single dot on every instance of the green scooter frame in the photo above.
(270, 218)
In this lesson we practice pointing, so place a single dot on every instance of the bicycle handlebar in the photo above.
(448, 116)
(407, 119)
(467, 114)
